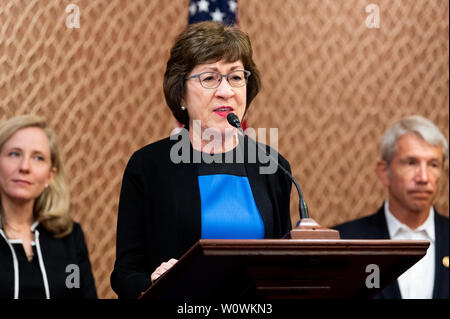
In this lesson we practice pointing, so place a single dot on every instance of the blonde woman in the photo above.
(42, 251)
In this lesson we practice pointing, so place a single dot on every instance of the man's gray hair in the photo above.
(415, 124)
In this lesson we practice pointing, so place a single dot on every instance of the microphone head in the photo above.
(233, 120)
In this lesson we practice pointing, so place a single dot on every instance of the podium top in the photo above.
(323, 246)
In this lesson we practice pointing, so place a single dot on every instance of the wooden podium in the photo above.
(216, 270)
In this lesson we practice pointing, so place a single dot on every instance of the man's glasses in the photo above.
(212, 80)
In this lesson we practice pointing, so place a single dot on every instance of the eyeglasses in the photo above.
(212, 80)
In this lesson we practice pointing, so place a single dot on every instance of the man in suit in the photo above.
(413, 152)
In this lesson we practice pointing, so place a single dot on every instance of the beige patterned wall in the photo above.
(330, 85)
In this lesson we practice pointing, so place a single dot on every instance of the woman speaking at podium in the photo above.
(201, 183)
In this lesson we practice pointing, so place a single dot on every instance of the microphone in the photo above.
(302, 208)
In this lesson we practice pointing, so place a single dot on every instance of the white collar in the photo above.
(394, 225)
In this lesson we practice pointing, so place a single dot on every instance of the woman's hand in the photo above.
(162, 269)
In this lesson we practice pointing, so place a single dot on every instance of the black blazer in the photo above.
(375, 227)
(57, 254)
(160, 215)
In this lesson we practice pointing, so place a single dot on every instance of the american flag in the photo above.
(224, 11)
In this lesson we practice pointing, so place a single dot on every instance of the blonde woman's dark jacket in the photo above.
(60, 268)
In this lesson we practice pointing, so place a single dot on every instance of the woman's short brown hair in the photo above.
(206, 42)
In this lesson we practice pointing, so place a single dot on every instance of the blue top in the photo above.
(228, 209)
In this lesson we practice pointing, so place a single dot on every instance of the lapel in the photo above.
(380, 224)
(441, 275)
(258, 184)
(184, 178)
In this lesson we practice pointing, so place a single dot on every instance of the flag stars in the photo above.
(192, 9)
(232, 5)
(223, 11)
(203, 5)
(217, 15)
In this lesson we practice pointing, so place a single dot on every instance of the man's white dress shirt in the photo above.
(418, 281)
